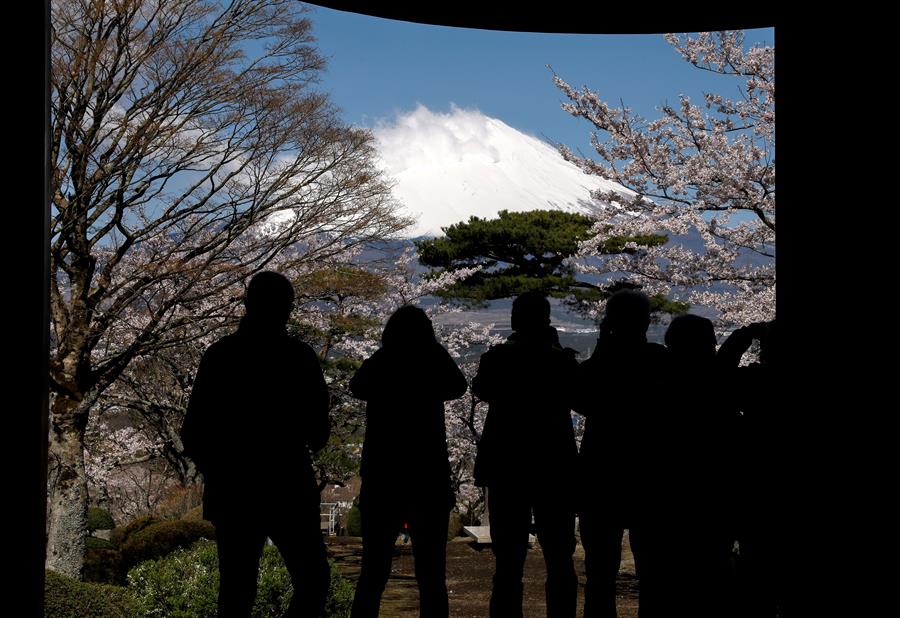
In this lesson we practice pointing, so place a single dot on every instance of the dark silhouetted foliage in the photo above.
(69, 598)
(525, 252)
(99, 519)
(121, 534)
(162, 538)
(353, 521)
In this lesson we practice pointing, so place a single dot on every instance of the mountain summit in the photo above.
(450, 166)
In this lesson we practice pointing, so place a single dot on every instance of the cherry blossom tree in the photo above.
(707, 168)
(189, 151)
(126, 469)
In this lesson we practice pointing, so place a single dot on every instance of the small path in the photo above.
(469, 571)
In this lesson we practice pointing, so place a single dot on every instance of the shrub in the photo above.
(93, 542)
(185, 584)
(121, 534)
(99, 519)
(274, 588)
(455, 526)
(103, 566)
(340, 594)
(353, 521)
(161, 538)
(69, 598)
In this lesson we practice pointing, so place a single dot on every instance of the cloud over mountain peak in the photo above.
(450, 166)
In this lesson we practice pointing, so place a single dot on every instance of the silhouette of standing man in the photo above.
(259, 405)
(620, 392)
(527, 457)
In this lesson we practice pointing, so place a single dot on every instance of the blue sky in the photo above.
(380, 67)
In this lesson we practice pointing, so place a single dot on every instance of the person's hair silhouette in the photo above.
(405, 384)
(527, 457)
(408, 328)
(627, 316)
(269, 298)
(258, 406)
(692, 338)
(530, 313)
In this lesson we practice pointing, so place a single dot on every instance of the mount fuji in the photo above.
(448, 167)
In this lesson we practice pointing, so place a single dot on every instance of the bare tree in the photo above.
(189, 150)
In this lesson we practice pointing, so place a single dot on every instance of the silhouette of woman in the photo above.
(406, 474)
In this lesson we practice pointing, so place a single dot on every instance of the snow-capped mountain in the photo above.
(450, 166)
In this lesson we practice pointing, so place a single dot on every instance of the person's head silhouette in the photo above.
(530, 314)
(692, 338)
(627, 315)
(269, 298)
(408, 327)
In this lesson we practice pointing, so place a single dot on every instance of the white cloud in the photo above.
(450, 166)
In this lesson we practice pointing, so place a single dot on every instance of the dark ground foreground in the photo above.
(469, 571)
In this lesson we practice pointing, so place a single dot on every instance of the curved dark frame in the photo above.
(613, 19)
(32, 430)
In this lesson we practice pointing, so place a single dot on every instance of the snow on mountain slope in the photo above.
(450, 166)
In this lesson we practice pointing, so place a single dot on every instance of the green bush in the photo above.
(69, 598)
(161, 538)
(274, 589)
(99, 519)
(93, 542)
(185, 584)
(353, 521)
(103, 566)
(121, 534)
(340, 594)
(455, 526)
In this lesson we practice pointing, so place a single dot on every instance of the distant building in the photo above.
(336, 502)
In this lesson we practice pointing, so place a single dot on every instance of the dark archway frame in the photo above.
(31, 430)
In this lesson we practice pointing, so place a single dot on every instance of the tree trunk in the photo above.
(67, 489)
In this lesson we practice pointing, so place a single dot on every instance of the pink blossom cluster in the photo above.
(707, 169)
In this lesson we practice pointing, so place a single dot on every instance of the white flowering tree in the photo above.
(188, 152)
(127, 470)
(707, 167)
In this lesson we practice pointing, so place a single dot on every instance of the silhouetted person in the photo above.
(259, 405)
(405, 467)
(689, 529)
(621, 393)
(752, 390)
(527, 457)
